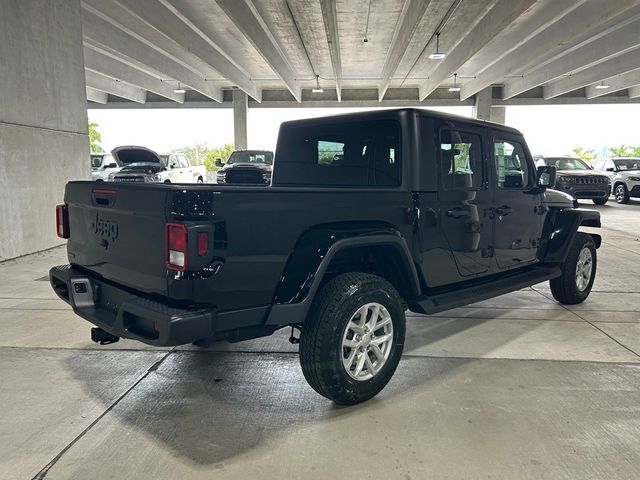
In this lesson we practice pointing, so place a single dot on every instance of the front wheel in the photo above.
(352, 341)
(600, 201)
(578, 272)
(621, 193)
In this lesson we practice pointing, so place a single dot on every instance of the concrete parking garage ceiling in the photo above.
(361, 52)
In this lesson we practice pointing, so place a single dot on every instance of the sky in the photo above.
(549, 130)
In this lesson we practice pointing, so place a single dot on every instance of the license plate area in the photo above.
(81, 292)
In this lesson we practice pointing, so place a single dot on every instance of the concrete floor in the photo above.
(514, 387)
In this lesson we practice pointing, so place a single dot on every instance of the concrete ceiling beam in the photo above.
(330, 19)
(410, 17)
(600, 45)
(497, 19)
(615, 84)
(115, 87)
(106, 65)
(248, 20)
(102, 32)
(503, 56)
(97, 96)
(167, 19)
(615, 66)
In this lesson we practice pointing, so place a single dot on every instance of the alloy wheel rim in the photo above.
(367, 341)
(584, 267)
(619, 192)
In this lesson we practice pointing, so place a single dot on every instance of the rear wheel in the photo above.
(578, 272)
(621, 193)
(600, 201)
(200, 180)
(352, 341)
(167, 181)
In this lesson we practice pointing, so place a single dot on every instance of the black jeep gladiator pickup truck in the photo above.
(369, 214)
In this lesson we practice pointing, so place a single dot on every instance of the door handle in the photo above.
(457, 213)
(504, 210)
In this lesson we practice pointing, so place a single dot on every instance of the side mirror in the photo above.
(110, 165)
(611, 169)
(547, 176)
(219, 162)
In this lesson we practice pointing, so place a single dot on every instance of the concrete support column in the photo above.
(498, 114)
(482, 106)
(240, 107)
(483, 109)
(43, 119)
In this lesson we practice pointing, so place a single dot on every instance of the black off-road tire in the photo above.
(321, 350)
(565, 288)
(621, 193)
(600, 201)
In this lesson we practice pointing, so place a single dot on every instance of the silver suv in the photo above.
(625, 175)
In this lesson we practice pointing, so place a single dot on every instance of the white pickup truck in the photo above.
(103, 165)
(145, 165)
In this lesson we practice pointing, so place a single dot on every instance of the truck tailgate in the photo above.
(117, 232)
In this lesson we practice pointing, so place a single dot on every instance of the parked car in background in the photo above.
(246, 167)
(145, 165)
(625, 176)
(578, 179)
(102, 165)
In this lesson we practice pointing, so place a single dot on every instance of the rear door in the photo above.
(465, 197)
(516, 211)
(186, 173)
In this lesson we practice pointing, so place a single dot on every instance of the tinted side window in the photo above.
(461, 160)
(511, 165)
(350, 154)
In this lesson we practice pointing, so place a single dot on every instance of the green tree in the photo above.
(196, 153)
(583, 154)
(94, 138)
(223, 153)
(625, 151)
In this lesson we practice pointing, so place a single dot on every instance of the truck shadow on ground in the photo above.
(209, 406)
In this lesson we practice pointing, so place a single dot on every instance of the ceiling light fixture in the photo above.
(602, 86)
(455, 87)
(437, 55)
(179, 89)
(317, 88)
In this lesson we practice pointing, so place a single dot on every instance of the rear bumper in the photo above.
(130, 316)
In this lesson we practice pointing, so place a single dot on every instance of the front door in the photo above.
(516, 211)
(465, 197)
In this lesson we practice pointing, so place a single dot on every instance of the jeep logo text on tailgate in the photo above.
(107, 229)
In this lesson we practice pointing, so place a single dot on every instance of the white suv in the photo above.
(625, 176)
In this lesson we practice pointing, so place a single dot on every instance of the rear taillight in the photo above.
(62, 221)
(176, 245)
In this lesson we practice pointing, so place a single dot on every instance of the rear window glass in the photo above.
(350, 154)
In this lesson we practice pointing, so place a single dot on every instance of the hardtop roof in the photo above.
(397, 113)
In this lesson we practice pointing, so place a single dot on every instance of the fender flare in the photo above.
(564, 228)
(288, 309)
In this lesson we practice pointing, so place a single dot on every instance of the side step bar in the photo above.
(477, 293)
